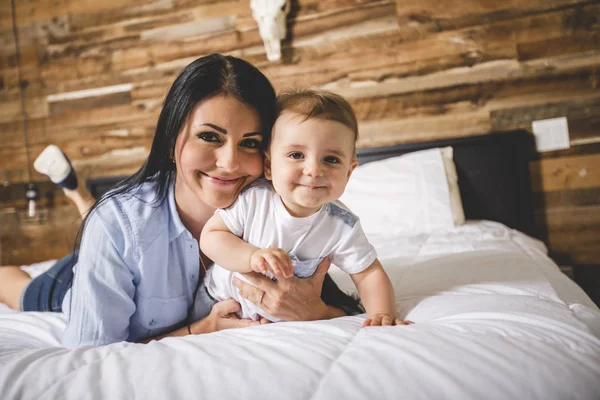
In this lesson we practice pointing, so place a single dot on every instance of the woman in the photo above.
(138, 271)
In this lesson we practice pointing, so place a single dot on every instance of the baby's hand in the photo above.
(274, 259)
(383, 319)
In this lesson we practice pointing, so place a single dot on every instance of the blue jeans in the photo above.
(203, 304)
(47, 291)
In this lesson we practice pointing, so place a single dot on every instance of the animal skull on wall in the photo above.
(270, 16)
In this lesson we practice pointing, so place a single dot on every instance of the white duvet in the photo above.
(494, 319)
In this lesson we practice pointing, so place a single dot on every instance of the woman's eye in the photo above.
(251, 143)
(296, 155)
(332, 160)
(208, 137)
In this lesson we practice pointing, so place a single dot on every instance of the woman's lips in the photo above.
(222, 180)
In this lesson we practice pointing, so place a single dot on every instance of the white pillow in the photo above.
(458, 212)
(416, 192)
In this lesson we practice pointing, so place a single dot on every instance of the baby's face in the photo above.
(309, 162)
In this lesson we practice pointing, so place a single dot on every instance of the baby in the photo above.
(285, 225)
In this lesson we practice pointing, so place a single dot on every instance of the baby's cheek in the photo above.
(338, 188)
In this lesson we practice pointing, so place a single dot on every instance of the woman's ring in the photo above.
(260, 299)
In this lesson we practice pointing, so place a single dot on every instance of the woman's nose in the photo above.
(228, 158)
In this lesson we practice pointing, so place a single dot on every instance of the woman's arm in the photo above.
(222, 316)
(101, 300)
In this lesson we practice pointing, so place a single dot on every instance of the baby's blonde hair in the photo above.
(313, 103)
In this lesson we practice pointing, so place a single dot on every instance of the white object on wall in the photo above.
(551, 134)
(270, 16)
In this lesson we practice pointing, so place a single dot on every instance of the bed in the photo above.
(494, 316)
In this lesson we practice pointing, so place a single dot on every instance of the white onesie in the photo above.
(260, 218)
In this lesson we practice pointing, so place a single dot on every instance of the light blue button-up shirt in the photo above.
(136, 274)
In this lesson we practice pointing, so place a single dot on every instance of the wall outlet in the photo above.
(551, 134)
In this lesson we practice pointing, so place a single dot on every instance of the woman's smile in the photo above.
(221, 180)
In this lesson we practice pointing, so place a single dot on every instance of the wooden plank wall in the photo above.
(414, 70)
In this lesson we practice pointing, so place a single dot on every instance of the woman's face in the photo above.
(217, 153)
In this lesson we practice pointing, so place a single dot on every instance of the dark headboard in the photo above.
(493, 174)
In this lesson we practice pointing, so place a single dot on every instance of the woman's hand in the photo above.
(290, 299)
(222, 316)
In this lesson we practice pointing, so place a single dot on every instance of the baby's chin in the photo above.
(312, 206)
(315, 203)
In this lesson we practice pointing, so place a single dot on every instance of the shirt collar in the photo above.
(176, 227)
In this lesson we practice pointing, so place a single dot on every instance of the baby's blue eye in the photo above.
(332, 160)
(296, 155)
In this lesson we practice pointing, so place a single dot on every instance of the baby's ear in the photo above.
(353, 166)
(267, 167)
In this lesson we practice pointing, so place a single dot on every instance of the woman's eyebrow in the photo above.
(215, 127)
(224, 131)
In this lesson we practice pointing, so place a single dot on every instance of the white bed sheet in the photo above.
(495, 319)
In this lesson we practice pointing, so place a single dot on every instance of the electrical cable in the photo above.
(31, 193)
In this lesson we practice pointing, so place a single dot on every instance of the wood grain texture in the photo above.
(578, 172)
(572, 233)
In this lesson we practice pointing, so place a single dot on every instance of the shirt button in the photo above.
(152, 322)
(193, 277)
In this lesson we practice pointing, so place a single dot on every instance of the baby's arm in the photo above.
(377, 295)
(234, 254)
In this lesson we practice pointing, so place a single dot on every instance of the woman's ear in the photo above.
(267, 166)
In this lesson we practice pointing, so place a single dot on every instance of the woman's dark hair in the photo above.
(332, 295)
